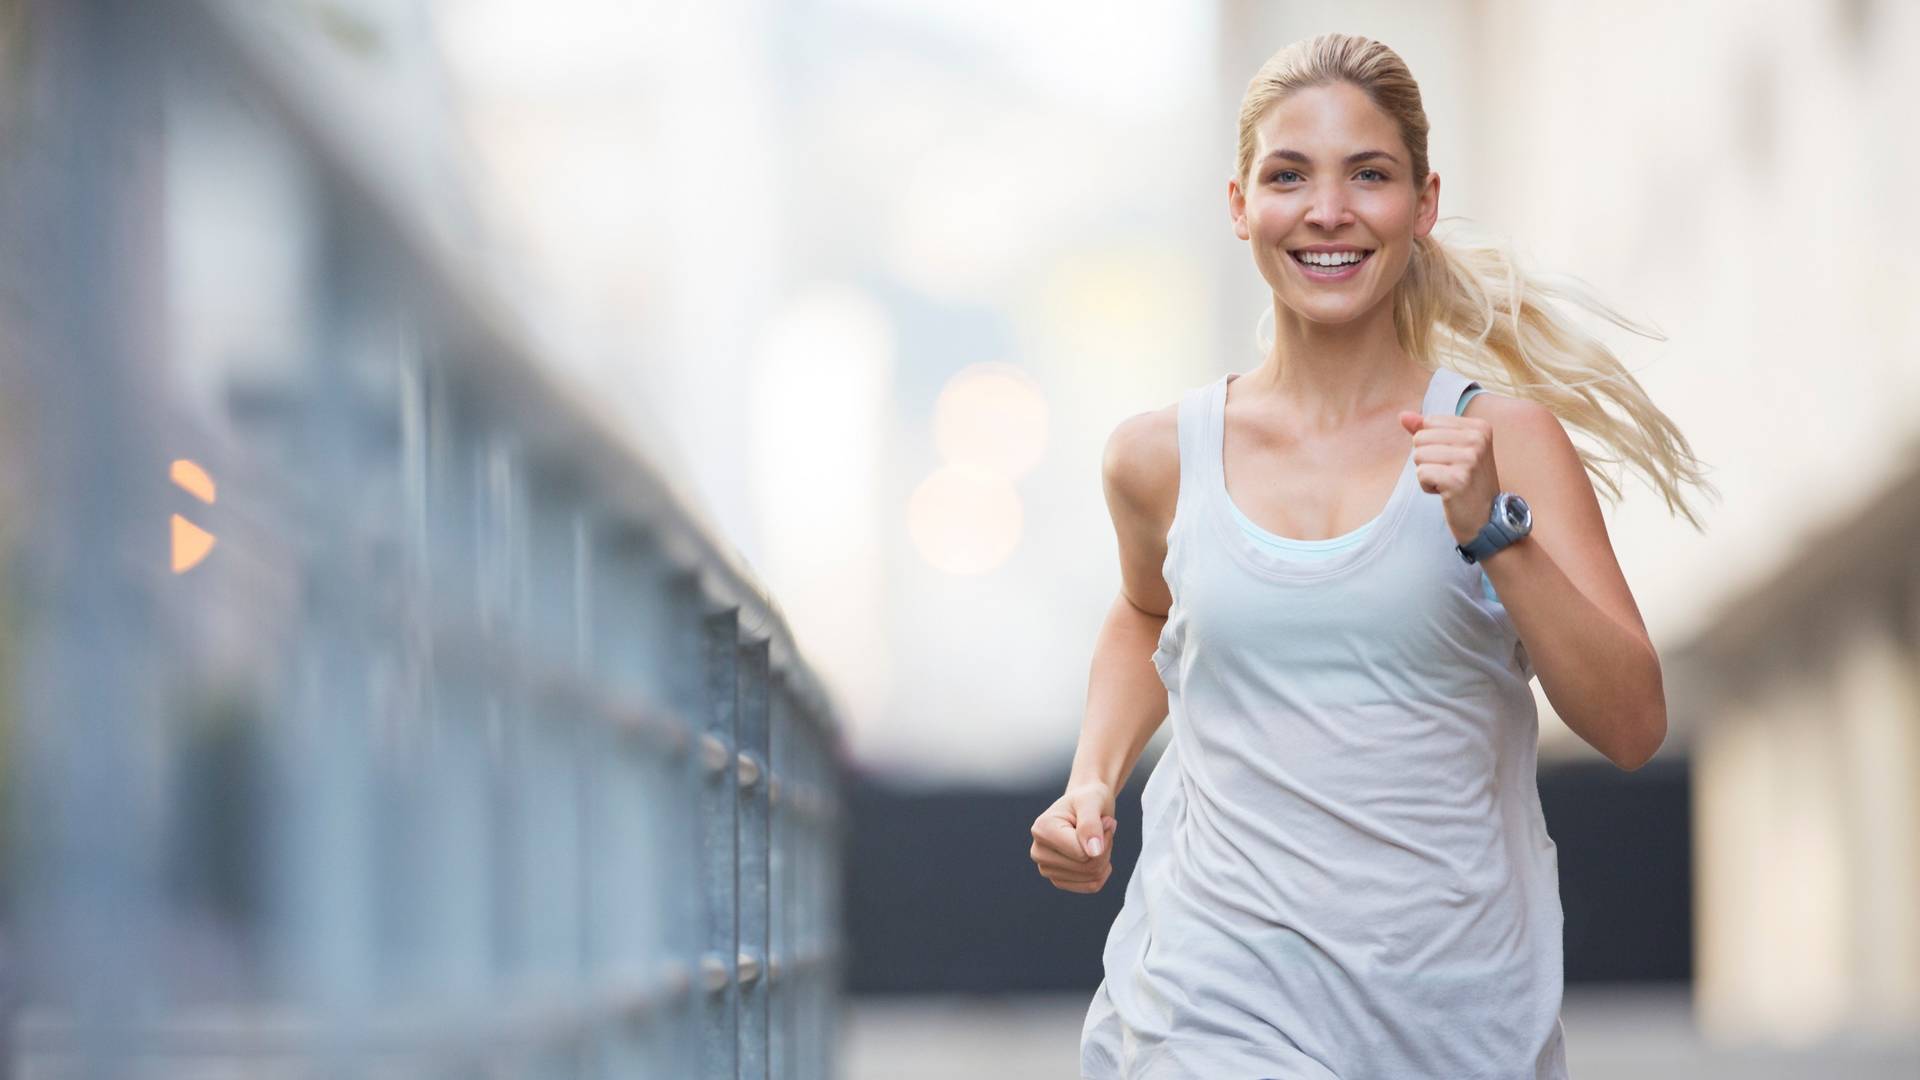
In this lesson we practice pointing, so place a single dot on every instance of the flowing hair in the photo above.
(1466, 299)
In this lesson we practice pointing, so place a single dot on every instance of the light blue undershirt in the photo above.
(1320, 549)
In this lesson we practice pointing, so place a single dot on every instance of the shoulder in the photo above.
(1533, 455)
(1521, 426)
(1140, 467)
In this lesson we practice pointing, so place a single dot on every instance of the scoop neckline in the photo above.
(1292, 544)
(1251, 549)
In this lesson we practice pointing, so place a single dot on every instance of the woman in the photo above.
(1346, 566)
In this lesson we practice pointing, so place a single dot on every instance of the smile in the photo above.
(1337, 266)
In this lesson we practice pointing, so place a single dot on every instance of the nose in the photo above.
(1328, 208)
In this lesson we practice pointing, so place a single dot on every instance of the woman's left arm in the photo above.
(1561, 584)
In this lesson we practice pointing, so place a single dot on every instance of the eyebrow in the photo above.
(1352, 159)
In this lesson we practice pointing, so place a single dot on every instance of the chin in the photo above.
(1329, 314)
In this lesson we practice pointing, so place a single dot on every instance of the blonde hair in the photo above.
(1466, 298)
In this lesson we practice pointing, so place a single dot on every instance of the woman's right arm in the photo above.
(1126, 701)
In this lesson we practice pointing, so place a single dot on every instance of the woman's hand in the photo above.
(1453, 458)
(1073, 840)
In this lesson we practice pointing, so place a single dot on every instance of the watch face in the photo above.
(1519, 515)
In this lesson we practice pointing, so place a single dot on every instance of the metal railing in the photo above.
(444, 740)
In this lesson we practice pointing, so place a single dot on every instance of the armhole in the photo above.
(1186, 431)
(1166, 646)
(1460, 408)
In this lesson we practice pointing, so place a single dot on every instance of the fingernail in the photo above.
(1093, 846)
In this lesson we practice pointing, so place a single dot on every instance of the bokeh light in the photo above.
(994, 416)
(964, 519)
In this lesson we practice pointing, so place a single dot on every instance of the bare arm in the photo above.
(1126, 701)
(1565, 591)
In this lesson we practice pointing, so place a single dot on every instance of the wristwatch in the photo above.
(1511, 519)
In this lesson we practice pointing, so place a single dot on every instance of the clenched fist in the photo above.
(1073, 840)
(1453, 458)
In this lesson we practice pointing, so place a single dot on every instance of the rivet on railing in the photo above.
(714, 753)
(713, 972)
(749, 968)
(749, 770)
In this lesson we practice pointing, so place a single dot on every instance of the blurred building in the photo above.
(1803, 699)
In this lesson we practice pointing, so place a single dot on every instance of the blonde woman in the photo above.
(1340, 572)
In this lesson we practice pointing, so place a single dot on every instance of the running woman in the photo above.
(1340, 572)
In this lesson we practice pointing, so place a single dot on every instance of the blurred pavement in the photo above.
(1625, 1033)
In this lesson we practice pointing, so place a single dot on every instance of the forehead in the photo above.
(1327, 119)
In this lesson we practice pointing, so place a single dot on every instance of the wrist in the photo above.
(1509, 521)
(1083, 778)
(1097, 765)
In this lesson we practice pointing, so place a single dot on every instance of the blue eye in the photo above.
(1283, 173)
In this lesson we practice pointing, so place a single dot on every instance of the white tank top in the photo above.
(1344, 871)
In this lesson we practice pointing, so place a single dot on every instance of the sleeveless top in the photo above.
(1344, 872)
(1318, 549)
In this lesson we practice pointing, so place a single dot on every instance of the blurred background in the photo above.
(566, 539)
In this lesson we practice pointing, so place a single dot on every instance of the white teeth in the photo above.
(1341, 258)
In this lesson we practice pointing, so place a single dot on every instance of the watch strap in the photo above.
(1493, 536)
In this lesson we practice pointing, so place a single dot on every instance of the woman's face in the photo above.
(1330, 172)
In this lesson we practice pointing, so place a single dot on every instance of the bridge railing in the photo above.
(368, 706)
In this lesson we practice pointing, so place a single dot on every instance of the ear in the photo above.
(1237, 209)
(1428, 211)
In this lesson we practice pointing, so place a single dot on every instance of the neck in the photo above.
(1327, 375)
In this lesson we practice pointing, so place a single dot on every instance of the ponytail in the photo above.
(1466, 301)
